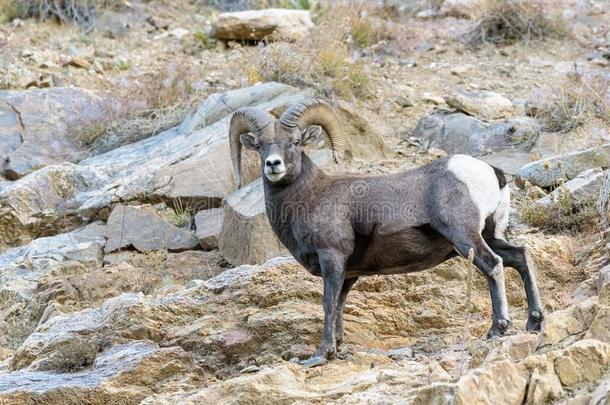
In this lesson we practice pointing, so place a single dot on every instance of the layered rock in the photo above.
(126, 374)
(460, 133)
(145, 230)
(581, 190)
(553, 170)
(255, 318)
(47, 126)
(23, 295)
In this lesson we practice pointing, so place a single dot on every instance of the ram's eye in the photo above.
(296, 142)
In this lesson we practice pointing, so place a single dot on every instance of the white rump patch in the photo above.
(484, 190)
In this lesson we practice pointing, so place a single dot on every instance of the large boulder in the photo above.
(145, 230)
(123, 374)
(556, 169)
(246, 236)
(44, 202)
(46, 126)
(461, 133)
(209, 224)
(273, 23)
(483, 104)
(163, 167)
(583, 189)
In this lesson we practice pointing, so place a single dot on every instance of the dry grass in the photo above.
(323, 60)
(149, 104)
(79, 12)
(561, 217)
(509, 21)
(575, 102)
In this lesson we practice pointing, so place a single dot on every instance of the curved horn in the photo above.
(317, 112)
(244, 120)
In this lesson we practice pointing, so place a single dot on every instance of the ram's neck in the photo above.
(281, 200)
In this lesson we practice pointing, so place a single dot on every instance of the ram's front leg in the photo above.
(332, 266)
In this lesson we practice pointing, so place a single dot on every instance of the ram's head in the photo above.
(280, 142)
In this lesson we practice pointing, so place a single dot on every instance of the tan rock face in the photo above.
(281, 24)
(261, 316)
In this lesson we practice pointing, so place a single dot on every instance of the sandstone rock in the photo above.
(42, 203)
(63, 341)
(544, 385)
(23, 298)
(209, 224)
(356, 383)
(460, 133)
(562, 324)
(145, 230)
(126, 373)
(246, 236)
(604, 276)
(247, 25)
(503, 382)
(364, 135)
(171, 268)
(549, 172)
(483, 104)
(43, 127)
(513, 348)
(582, 189)
(218, 105)
(584, 361)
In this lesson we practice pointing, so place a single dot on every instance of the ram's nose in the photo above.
(273, 162)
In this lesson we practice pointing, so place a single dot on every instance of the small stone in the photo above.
(483, 104)
(179, 32)
(250, 369)
(78, 63)
(600, 62)
(437, 152)
(461, 70)
(433, 98)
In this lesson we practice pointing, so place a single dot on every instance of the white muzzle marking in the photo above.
(274, 171)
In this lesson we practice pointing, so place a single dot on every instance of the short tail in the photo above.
(500, 176)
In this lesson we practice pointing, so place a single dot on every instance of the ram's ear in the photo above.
(248, 141)
(311, 134)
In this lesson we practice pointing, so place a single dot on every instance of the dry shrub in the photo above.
(577, 101)
(148, 105)
(509, 21)
(79, 12)
(323, 60)
(562, 216)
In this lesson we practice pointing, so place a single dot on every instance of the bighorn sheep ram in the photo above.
(342, 227)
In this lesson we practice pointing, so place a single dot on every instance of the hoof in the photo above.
(498, 328)
(314, 361)
(534, 322)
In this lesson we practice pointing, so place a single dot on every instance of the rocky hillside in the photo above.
(133, 271)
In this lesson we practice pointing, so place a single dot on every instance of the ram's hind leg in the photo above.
(518, 258)
(491, 265)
